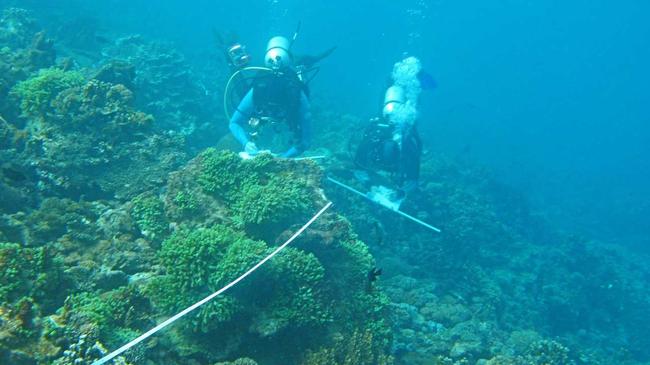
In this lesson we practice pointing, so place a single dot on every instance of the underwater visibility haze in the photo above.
(358, 183)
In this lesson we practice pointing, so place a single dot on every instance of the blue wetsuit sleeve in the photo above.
(305, 129)
(243, 112)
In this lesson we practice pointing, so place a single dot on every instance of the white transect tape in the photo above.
(309, 158)
(171, 320)
(407, 216)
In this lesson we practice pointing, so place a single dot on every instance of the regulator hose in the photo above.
(227, 91)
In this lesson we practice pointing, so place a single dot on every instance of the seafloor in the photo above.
(121, 205)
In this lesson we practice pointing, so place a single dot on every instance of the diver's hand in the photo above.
(251, 149)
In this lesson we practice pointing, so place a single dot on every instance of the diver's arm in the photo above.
(244, 111)
(305, 129)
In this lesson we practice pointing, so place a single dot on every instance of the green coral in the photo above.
(30, 272)
(186, 201)
(199, 262)
(36, 93)
(262, 192)
(118, 316)
(220, 172)
(202, 261)
(273, 201)
(297, 300)
(360, 348)
(149, 214)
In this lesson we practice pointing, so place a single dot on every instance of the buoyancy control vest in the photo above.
(276, 97)
(379, 151)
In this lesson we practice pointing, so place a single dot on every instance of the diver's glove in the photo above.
(250, 151)
(251, 148)
(254, 153)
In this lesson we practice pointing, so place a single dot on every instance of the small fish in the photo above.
(373, 274)
(372, 277)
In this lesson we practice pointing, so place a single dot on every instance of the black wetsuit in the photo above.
(378, 151)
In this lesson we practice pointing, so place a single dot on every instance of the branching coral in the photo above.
(149, 214)
(115, 317)
(30, 272)
(197, 262)
(101, 107)
(37, 93)
(205, 260)
(261, 192)
(220, 173)
(186, 202)
(277, 200)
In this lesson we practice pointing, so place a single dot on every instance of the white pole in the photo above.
(408, 216)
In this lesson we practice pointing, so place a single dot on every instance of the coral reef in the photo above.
(149, 214)
(107, 226)
(359, 349)
(114, 317)
(36, 94)
(85, 352)
(264, 194)
(294, 293)
(23, 50)
(70, 135)
(168, 89)
(33, 273)
(496, 269)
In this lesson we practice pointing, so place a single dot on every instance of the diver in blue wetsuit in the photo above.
(277, 96)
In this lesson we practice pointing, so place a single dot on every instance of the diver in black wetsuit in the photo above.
(392, 146)
(391, 143)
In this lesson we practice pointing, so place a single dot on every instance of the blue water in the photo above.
(551, 95)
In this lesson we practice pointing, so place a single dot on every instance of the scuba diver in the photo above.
(275, 102)
(391, 143)
(234, 52)
(277, 98)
